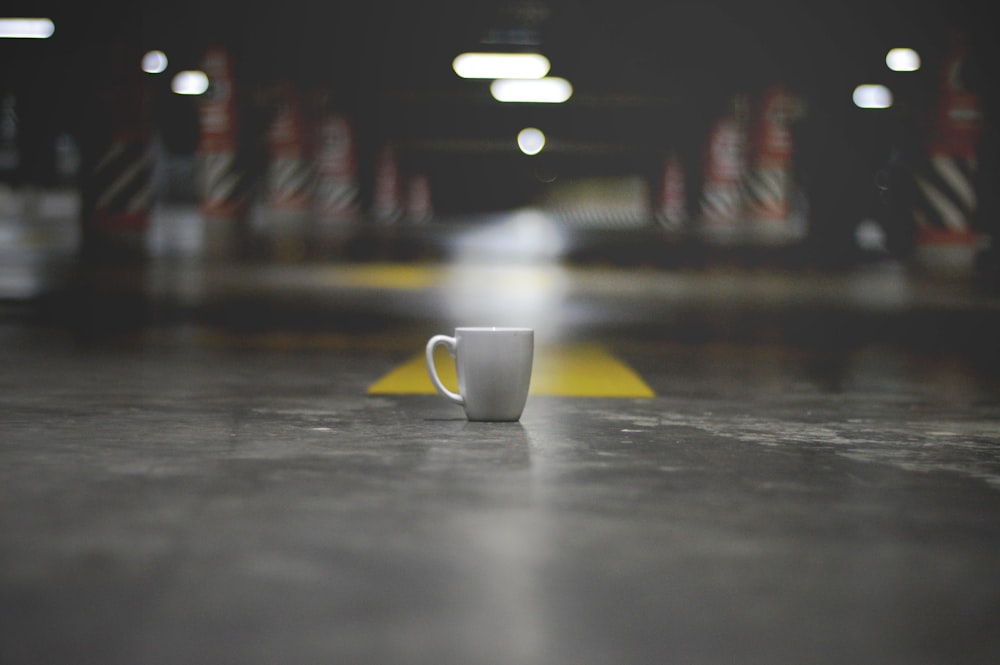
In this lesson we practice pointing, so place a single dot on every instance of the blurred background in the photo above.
(677, 134)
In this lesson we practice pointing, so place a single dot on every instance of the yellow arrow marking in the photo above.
(583, 370)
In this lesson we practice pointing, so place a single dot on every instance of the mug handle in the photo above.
(449, 342)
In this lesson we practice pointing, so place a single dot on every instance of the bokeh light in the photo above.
(530, 141)
(154, 62)
(872, 96)
(190, 82)
(902, 60)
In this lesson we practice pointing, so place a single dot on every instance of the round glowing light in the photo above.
(530, 141)
(189, 82)
(154, 62)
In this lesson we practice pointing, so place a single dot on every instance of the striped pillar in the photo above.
(419, 203)
(945, 197)
(337, 188)
(222, 185)
(222, 181)
(769, 183)
(387, 206)
(671, 210)
(289, 172)
(117, 169)
(722, 196)
(122, 183)
(10, 155)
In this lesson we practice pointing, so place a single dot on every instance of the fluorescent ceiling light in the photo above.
(26, 28)
(872, 96)
(501, 65)
(154, 62)
(190, 82)
(902, 60)
(530, 141)
(549, 90)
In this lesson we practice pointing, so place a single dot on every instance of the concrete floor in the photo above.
(192, 470)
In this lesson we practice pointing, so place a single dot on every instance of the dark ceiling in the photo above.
(646, 75)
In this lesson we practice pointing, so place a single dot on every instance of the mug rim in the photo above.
(493, 329)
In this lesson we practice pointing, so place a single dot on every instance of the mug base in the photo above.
(493, 419)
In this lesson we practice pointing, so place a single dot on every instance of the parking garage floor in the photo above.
(218, 462)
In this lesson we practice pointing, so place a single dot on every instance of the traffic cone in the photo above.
(722, 197)
(769, 186)
(671, 210)
(222, 178)
(945, 190)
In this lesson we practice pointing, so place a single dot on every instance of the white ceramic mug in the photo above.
(493, 367)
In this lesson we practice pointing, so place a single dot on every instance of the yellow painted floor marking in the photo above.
(292, 341)
(412, 277)
(580, 370)
(390, 276)
(585, 370)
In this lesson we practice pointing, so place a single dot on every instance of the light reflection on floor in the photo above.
(522, 236)
(504, 295)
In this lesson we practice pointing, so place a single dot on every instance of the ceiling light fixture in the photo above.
(501, 65)
(190, 82)
(26, 28)
(902, 60)
(872, 96)
(549, 90)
